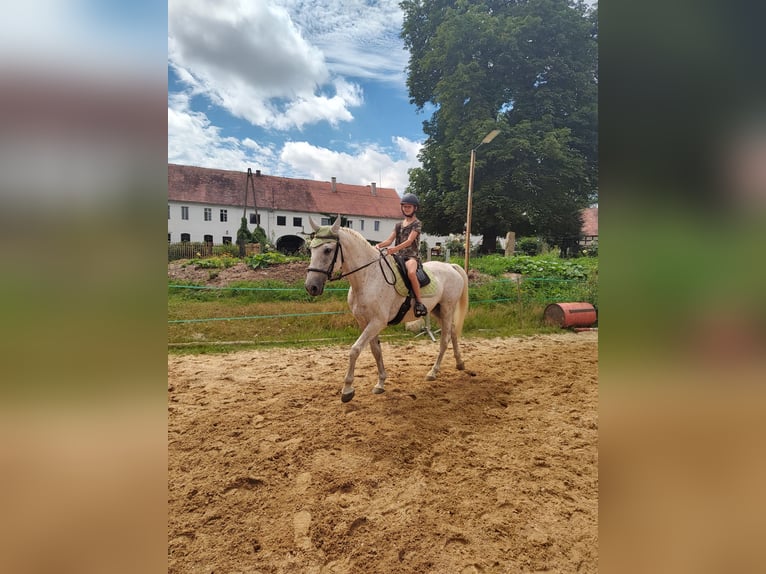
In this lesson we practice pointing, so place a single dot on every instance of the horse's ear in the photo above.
(313, 224)
(336, 226)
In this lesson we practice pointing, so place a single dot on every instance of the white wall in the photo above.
(197, 227)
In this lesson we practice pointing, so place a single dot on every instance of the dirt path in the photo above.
(493, 469)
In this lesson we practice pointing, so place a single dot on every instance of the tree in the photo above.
(243, 236)
(528, 68)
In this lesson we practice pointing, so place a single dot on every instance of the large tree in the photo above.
(528, 68)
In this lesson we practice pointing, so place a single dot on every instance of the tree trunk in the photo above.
(489, 242)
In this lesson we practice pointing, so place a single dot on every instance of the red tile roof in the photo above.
(222, 187)
(590, 221)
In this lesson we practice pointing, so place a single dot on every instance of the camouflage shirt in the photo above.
(402, 233)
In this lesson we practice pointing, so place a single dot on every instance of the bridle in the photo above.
(339, 250)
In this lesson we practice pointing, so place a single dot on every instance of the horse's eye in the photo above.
(327, 250)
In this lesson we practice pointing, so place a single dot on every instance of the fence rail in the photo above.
(192, 250)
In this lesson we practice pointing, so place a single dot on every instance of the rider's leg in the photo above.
(412, 267)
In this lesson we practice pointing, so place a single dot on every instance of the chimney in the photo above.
(257, 173)
(374, 191)
(334, 186)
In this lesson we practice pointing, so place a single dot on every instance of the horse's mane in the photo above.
(355, 237)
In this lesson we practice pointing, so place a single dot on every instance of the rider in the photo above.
(407, 237)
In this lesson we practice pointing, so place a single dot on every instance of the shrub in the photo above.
(230, 250)
(214, 262)
(549, 266)
(261, 260)
(529, 245)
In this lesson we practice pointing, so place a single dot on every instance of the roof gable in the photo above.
(223, 187)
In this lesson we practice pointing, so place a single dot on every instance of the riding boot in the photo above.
(420, 309)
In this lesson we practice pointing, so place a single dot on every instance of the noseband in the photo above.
(338, 249)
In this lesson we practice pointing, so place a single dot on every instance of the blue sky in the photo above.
(295, 88)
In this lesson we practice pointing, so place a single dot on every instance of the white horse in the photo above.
(374, 301)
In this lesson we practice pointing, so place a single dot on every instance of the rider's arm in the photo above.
(388, 241)
(412, 238)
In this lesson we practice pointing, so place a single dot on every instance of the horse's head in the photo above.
(324, 256)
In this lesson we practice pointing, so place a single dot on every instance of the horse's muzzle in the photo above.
(314, 288)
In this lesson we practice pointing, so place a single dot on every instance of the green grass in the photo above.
(275, 313)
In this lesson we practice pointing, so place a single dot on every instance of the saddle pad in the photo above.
(427, 291)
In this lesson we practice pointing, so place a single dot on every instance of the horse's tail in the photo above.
(462, 308)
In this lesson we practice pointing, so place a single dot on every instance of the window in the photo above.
(349, 224)
(326, 221)
(184, 212)
(281, 220)
(168, 237)
(361, 225)
(297, 222)
(185, 238)
(208, 239)
(168, 211)
(377, 226)
(226, 240)
(208, 214)
(224, 215)
(255, 219)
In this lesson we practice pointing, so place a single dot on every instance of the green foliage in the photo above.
(541, 266)
(273, 313)
(529, 245)
(259, 236)
(526, 68)
(243, 233)
(229, 250)
(261, 260)
(423, 250)
(214, 262)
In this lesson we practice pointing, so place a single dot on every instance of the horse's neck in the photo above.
(357, 254)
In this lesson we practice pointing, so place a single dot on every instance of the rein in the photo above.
(339, 249)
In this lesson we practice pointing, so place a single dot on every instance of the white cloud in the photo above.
(368, 164)
(251, 59)
(283, 65)
(359, 39)
(192, 140)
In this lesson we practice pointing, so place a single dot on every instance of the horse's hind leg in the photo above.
(377, 352)
(456, 350)
(446, 324)
(459, 364)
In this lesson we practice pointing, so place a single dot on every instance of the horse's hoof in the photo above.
(347, 397)
(378, 390)
(461, 366)
(430, 377)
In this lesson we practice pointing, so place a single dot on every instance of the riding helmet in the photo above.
(411, 199)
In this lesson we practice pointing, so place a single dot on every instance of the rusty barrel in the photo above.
(570, 314)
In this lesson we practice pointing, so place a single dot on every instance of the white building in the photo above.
(206, 205)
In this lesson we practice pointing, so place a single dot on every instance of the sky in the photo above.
(296, 88)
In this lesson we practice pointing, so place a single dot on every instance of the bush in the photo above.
(529, 245)
(261, 260)
(214, 262)
(549, 266)
(229, 249)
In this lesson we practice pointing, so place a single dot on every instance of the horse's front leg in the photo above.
(370, 331)
(377, 352)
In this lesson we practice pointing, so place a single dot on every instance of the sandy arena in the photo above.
(493, 469)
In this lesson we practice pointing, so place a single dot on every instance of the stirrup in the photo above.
(420, 309)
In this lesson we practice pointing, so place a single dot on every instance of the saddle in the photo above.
(423, 280)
